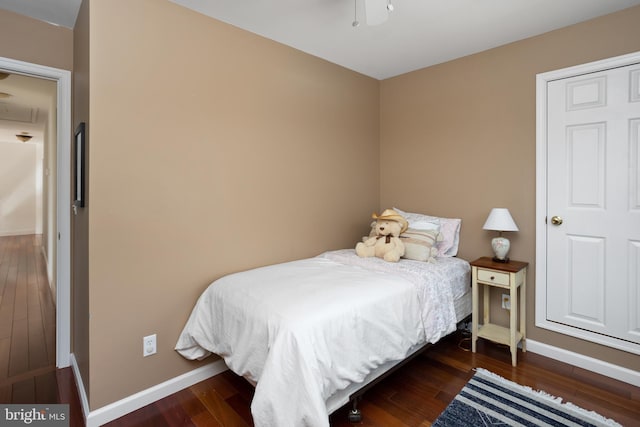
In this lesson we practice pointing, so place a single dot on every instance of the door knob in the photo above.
(556, 220)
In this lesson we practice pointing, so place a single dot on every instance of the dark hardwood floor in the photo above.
(413, 396)
(27, 324)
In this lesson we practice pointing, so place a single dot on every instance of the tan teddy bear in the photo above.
(386, 243)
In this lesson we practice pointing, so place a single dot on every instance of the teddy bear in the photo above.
(386, 243)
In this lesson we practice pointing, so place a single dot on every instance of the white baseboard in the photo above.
(7, 233)
(82, 392)
(589, 363)
(136, 401)
(50, 278)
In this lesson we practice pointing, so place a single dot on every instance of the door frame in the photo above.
(541, 198)
(63, 197)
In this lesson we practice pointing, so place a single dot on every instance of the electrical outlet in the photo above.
(149, 345)
(506, 301)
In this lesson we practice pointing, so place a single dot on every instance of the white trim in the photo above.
(541, 199)
(18, 232)
(598, 366)
(63, 213)
(145, 397)
(82, 391)
(63, 207)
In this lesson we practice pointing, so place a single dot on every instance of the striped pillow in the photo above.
(421, 245)
(449, 227)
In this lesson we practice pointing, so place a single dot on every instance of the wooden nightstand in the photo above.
(506, 275)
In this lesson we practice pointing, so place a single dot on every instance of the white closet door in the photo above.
(593, 189)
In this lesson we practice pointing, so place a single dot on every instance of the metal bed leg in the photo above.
(355, 416)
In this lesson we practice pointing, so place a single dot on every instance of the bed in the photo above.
(310, 333)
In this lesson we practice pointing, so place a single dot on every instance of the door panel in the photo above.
(594, 185)
(634, 164)
(585, 160)
(634, 291)
(586, 263)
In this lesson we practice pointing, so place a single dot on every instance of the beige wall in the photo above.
(18, 190)
(30, 40)
(214, 150)
(80, 221)
(211, 150)
(459, 138)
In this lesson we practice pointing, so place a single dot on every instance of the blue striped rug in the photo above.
(490, 400)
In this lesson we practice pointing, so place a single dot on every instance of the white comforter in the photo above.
(305, 329)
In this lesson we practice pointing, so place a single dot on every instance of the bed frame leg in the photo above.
(355, 416)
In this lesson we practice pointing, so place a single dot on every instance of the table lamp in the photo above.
(500, 220)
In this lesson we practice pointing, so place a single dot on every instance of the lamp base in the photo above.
(496, 259)
(500, 247)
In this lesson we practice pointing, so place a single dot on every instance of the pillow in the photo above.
(421, 245)
(449, 228)
(425, 225)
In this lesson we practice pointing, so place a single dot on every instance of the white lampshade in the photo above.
(500, 220)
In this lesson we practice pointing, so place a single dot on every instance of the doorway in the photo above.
(588, 202)
(62, 232)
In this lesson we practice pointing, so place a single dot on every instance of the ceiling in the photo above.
(58, 12)
(26, 107)
(418, 34)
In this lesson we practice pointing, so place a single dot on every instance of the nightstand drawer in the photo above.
(491, 276)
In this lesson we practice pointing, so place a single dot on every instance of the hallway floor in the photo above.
(27, 323)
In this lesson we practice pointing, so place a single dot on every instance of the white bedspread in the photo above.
(303, 330)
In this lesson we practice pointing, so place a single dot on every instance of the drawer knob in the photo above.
(492, 278)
